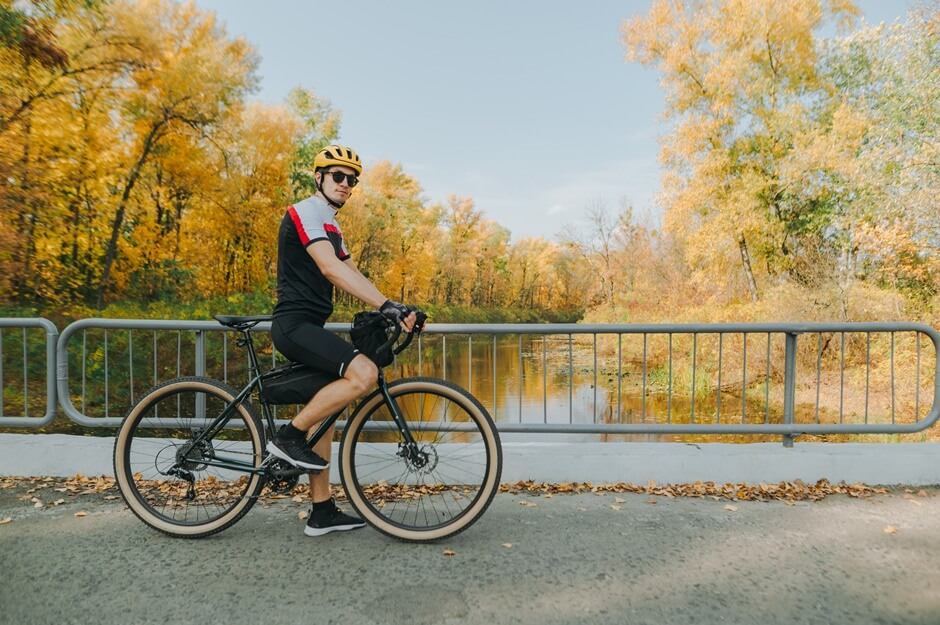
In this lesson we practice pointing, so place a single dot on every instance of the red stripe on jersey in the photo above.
(342, 248)
(304, 238)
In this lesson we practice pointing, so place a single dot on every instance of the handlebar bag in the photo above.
(369, 335)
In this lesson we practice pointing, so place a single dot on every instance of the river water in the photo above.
(554, 380)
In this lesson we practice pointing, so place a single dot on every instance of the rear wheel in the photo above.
(168, 478)
(440, 487)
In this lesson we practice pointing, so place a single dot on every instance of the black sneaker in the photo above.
(326, 517)
(296, 452)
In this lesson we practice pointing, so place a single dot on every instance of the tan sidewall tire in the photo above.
(125, 481)
(487, 490)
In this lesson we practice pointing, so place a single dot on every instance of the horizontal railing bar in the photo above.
(546, 328)
(678, 328)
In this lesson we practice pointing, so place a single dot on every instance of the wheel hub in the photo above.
(420, 460)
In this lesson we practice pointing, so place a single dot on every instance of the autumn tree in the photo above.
(469, 242)
(56, 59)
(531, 271)
(190, 72)
(108, 112)
(740, 77)
(887, 85)
(392, 234)
(320, 127)
(229, 227)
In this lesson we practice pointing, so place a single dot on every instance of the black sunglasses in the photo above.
(338, 176)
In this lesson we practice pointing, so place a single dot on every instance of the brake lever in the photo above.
(420, 319)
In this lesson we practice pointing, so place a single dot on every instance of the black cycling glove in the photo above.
(394, 311)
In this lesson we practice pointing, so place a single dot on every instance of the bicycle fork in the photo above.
(409, 449)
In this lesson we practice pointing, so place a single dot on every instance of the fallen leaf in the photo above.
(448, 553)
(890, 529)
(58, 502)
(9, 519)
(651, 500)
(582, 509)
(303, 514)
(615, 508)
(298, 499)
(38, 504)
(548, 496)
(507, 545)
(619, 500)
(81, 514)
(731, 508)
(528, 504)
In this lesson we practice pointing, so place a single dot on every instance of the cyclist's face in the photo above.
(338, 192)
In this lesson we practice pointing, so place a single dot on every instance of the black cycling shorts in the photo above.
(305, 342)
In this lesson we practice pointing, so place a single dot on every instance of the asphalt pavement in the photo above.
(570, 558)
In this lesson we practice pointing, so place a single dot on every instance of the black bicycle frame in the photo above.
(257, 382)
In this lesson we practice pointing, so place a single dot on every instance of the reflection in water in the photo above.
(525, 379)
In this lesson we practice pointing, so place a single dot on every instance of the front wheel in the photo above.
(177, 481)
(438, 487)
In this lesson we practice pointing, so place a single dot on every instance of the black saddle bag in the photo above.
(295, 386)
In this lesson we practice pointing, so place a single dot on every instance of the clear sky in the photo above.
(527, 107)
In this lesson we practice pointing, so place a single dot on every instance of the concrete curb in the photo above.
(916, 464)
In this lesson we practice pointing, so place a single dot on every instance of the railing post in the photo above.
(789, 386)
(200, 342)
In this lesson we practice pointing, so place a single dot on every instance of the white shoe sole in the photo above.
(321, 531)
(276, 451)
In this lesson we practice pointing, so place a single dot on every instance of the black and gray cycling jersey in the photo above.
(302, 288)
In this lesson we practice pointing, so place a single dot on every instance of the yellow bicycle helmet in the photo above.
(337, 155)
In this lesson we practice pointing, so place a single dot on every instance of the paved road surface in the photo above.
(567, 559)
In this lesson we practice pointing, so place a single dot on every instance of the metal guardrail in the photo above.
(15, 373)
(781, 379)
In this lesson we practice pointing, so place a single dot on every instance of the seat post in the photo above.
(253, 366)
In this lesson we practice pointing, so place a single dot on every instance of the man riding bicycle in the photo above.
(311, 260)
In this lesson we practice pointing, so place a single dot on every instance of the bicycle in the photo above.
(420, 458)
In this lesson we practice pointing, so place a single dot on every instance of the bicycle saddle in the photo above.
(240, 323)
